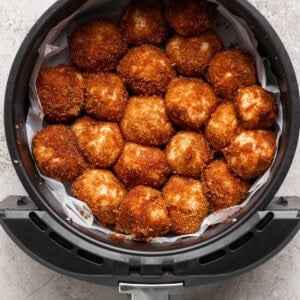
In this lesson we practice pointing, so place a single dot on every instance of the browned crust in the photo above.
(61, 92)
(56, 153)
(96, 46)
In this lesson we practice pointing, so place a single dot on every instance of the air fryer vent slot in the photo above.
(265, 221)
(90, 257)
(241, 241)
(212, 257)
(61, 241)
(37, 221)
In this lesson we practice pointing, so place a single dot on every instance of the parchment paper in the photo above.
(233, 32)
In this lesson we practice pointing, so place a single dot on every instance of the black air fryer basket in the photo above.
(38, 226)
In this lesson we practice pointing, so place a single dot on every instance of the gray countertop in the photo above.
(23, 278)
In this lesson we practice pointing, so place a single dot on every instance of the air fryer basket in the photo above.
(39, 227)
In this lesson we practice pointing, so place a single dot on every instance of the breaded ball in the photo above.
(146, 70)
(56, 153)
(188, 153)
(100, 142)
(143, 212)
(192, 55)
(96, 46)
(145, 121)
(105, 96)
(223, 188)
(231, 70)
(190, 17)
(190, 102)
(143, 23)
(251, 153)
(222, 126)
(61, 92)
(140, 165)
(101, 191)
(186, 202)
(256, 108)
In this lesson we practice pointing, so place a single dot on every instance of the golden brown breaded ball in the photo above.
(146, 70)
(143, 212)
(192, 55)
(96, 46)
(231, 70)
(140, 165)
(145, 121)
(190, 17)
(188, 153)
(251, 153)
(144, 23)
(186, 202)
(57, 154)
(101, 191)
(105, 96)
(190, 102)
(100, 142)
(61, 92)
(256, 108)
(224, 189)
(222, 126)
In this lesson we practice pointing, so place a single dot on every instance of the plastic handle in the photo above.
(150, 291)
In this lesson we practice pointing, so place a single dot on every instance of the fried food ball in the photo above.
(192, 55)
(145, 121)
(61, 92)
(256, 108)
(146, 70)
(190, 102)
(190, 17)
(251, 153)
(105, 96)
(101, 191)
(223, 188)
(143, 212)
(188, 153)
(56, 153)
(222, 126)
(100, 142)
(140, 165)
(96, 46)
(231, 70)
(186, 202)
(143, 23)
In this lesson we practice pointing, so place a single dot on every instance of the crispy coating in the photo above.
(140, 165)
(144, 23)
(256, 108)
(145, 121)
(190, 102)
(223, 188)
(186, 202)
(100, 142)
(231, 70)
(146, 70)
(251, 153)
(192, 55)
(190, 17)
(188, 153)
(101, 191)
(143, 212)
(61, 92)
(105, 96)
(96, 46)
(222, 126)
(56, 153)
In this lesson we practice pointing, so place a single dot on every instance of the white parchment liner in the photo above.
(53, 51)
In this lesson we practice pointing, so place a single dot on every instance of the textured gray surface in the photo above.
(22, 278)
